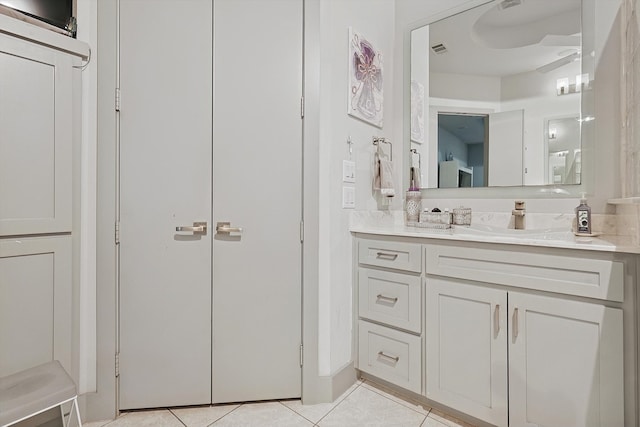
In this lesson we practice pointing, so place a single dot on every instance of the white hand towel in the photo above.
(383, 177)
(417, 178)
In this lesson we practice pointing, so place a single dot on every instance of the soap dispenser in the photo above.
(583, 216)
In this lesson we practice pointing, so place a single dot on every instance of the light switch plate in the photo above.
(348, 171)
(348, 197)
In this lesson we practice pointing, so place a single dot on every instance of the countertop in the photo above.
(553, 239)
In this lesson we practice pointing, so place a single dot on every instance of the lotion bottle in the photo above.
(583, 216)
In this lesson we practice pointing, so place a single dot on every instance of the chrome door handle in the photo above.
(225, 228)
(198, 228)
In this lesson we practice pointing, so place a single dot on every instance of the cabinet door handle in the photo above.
(392, 257)
(386, 356)
(515, 324)
(496, 319)
(392, 300)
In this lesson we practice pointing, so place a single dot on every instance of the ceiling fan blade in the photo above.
(559, 63)
(554, 40)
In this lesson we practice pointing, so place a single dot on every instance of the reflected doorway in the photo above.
(462, 150)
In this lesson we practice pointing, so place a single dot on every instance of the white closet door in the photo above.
(257, 187)
(165, 182)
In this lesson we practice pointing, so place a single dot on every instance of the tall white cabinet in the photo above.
(39, 221)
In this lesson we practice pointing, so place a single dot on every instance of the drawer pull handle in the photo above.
(392, 300)
(392, 257)
(515, 324)
(394, 358)
(496, 319)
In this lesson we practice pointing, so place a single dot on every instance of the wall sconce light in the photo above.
(553, 133)
(582, 82)
(562, 86)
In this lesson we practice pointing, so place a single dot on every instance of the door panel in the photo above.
(565, 363)
(506, 148)
(466, 348)
(257, 186)
(165, 173)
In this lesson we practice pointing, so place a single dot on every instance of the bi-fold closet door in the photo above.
(210, 201)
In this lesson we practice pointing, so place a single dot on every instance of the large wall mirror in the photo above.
(499, 96)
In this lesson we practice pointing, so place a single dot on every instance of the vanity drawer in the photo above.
(391, 355)
(396, 255)
(562, 272)
(391, 298)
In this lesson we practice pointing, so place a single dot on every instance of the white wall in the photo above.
(87, 16)
(374, 20)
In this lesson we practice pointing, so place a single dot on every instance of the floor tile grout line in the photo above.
(230, 412)
(177, 417)
(359, 384)
(295, 412)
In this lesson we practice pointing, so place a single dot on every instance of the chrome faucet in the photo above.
(518, 215)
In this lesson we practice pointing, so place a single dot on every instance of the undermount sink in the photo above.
(537, 234)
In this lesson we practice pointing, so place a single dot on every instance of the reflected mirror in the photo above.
(496, 95)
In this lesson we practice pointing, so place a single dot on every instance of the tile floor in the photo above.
(364, 404)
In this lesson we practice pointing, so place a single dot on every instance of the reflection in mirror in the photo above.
(562, 144)
(461, 149)
(488, 87)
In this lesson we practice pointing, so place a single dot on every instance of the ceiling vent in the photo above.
(506, 4)
(439, 48)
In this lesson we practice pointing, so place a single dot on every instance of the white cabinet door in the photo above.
(566, 363)
(466, 348)
(35, 303)
(36, 123)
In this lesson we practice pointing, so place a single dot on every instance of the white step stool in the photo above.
(33, 391)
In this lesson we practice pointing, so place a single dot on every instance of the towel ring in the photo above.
(378, 140)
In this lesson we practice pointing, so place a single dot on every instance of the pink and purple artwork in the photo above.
(365, 80)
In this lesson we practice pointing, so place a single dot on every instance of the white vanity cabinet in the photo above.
(390, 311)
(516, 335)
